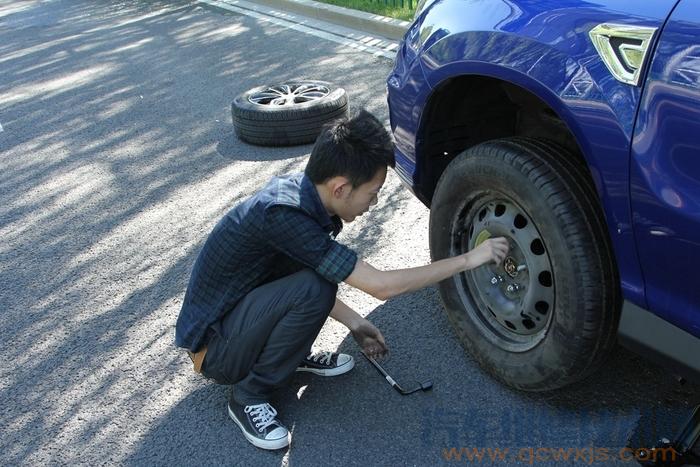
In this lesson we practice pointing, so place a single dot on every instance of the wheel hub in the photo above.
(515, 298)
(289, 94)
(510, 266)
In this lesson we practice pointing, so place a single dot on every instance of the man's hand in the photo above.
(370, 339)
(493, 250)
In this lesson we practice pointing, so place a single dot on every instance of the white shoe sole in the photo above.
(339, 370)
(257, 442)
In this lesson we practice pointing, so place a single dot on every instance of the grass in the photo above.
(391, 9)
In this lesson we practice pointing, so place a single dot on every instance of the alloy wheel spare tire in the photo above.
(546, 316)
(287, 114)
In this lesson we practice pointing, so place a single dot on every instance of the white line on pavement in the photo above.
(388, 52)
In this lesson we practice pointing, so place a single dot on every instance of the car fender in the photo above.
(530, 46)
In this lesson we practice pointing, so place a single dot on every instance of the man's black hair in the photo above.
(355, 148)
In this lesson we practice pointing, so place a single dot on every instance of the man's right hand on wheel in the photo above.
(493, 250)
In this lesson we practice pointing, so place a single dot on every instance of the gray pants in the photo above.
(259, 344)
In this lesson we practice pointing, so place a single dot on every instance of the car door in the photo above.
(665, 172)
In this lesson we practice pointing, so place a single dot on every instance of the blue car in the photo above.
(572, 128)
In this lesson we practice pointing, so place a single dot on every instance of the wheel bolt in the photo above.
(514, 288)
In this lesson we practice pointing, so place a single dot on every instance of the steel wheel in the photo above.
(547, 316)
(514, 300)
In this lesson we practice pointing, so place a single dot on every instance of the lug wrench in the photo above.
(424, 386)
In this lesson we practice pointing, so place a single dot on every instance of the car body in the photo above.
(615, 83)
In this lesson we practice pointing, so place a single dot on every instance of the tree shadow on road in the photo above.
(229, 147)
(361, 412)
(117, 160)
(628, 402)
(198, 432)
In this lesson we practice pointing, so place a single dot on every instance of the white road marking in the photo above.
(388, 51)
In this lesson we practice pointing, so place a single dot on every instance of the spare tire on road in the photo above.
(287, 114)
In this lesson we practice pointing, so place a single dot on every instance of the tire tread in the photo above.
(570, 193)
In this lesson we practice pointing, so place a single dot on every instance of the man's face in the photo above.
(357, 201)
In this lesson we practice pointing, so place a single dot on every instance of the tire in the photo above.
(287, 114)
(558, 320)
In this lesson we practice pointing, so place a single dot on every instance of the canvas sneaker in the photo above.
(327, 363)
(259, 424)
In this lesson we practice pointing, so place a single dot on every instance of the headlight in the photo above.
(420, 6)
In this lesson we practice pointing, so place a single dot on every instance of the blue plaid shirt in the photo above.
(279, 230)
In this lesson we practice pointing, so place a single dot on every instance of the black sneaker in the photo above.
(259, 425)
(327, 363)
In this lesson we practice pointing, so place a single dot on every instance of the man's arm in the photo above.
(386, 284)
(346, 315)
(365, 333)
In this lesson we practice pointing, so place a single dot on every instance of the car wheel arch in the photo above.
(433, 154)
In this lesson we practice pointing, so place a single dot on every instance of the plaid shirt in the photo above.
(278, 231)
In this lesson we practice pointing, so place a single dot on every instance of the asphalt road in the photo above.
(117, 157)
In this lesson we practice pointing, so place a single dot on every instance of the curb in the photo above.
(390, 28)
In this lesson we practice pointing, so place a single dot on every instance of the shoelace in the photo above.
(263, 415)
(324, 358)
